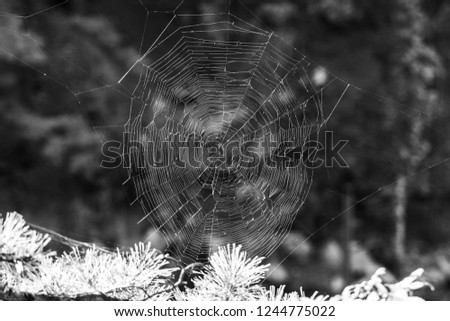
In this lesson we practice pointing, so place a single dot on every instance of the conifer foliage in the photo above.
(29, 271)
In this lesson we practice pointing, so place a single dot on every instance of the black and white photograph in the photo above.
(290, 156)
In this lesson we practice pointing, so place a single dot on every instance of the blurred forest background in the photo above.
(394, 197)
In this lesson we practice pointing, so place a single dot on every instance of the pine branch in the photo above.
(28, 272)
(132, 275)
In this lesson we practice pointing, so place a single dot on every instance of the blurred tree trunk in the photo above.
(349, 208)
(414, 68)
(400, 217)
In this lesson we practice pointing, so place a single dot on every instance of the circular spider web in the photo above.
(215, 78)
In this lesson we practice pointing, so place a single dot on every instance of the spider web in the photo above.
(223, 79)
(217, 77)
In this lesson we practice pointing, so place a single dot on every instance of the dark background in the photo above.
(389, 208)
